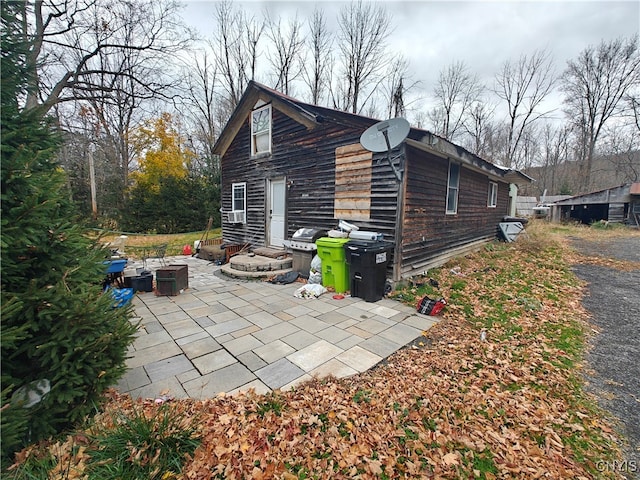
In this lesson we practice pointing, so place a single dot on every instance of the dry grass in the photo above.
(175, 242)
(600, 234)
(597, 231)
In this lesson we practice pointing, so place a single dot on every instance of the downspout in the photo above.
(402, 188)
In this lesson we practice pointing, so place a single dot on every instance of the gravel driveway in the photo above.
(613, 300)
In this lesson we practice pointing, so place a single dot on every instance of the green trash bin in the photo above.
(335, 271)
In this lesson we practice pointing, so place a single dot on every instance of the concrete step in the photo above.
(241, 274)
(256, 266)
(270, 252)
(257, 263)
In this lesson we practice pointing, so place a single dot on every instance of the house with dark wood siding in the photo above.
(288, 165)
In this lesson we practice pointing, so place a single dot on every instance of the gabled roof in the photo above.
(251, 95)
(312, 115)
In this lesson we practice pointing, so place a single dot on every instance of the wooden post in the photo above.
(92, 180)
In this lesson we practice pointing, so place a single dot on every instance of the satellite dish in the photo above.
(386, 135)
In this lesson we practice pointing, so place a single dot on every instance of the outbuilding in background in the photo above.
(619, 204)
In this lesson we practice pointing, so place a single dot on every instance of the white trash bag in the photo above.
(315, 271)
(310, 291)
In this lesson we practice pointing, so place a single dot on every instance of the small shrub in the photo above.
(150, 445)
(606, 225)
(535, 240)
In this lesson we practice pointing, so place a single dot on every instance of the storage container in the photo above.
(142, 283)
(171, 280)
(368, 268)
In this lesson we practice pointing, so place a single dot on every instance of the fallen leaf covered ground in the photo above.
(492, 391)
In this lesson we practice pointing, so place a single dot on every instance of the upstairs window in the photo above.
(492, 197)
(261, 130)
(452, 188)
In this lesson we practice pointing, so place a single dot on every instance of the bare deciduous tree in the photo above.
(523, 85)
(396, 85)
(94, 63)
(479, 129)
(118, 105)
(286, 56)
(364, 29)
(621, 141)
(528, 153)
(236, 48)
(622, 154)
(254, 30)
(419, 119)
(634, 108)
(555, 152)
(207, 111)
(317, 73)
(70, 40)
(456, 91)
(594, 84)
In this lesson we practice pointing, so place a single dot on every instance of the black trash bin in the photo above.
(368, 262)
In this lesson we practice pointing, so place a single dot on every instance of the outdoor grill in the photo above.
(304, 238)
(303, 246)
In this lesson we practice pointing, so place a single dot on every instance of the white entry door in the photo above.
(276, 204)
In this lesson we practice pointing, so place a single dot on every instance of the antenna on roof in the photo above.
(385, 136)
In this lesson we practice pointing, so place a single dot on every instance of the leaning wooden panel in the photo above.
(353, 183)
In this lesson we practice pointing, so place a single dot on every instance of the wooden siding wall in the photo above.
(618, 212)
(428, 232)
(634, 210)
(307, 159)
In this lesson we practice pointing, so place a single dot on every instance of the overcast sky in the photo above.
(482, 34)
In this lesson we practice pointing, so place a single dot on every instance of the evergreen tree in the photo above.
(63, 343)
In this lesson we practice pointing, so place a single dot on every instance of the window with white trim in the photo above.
(261, 130)
(492, 196)
(238, 212)
(453, 185)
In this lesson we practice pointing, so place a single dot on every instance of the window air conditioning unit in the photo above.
(235, 216)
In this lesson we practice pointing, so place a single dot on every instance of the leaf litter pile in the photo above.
(492, 391)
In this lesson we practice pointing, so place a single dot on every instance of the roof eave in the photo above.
(439, 148)
(517, 177)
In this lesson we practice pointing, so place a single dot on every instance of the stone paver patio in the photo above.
(225, 335)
